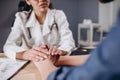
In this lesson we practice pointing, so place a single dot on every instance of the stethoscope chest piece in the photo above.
(53, 26)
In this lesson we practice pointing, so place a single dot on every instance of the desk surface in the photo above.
(29, 72)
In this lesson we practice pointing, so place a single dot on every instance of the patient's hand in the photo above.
(54, 58)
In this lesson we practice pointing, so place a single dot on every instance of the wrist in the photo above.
(45, 68)
(20, 55)
(64, 52)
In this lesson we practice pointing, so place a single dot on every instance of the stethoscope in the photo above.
(30, 41)
(54, 25)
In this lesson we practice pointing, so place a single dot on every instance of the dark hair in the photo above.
(23, 6)
(105, 1)
(51, 6)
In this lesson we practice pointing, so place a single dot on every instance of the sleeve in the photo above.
(14, 40)
(103, 64)
(66, 38)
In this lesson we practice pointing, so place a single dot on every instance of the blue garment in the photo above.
(103, 64)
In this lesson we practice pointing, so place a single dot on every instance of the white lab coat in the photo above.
(19, 37)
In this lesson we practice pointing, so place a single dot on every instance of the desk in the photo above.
(29, 72)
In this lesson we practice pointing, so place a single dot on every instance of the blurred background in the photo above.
(76, 11)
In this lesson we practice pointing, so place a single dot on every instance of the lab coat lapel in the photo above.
(41, 36)
(34, 25)
(26, 22)
(31, 21)
(48, 22)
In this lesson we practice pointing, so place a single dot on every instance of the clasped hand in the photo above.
(43, 52)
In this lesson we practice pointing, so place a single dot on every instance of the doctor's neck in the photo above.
(40, 16)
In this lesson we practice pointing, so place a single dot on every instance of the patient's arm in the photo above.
(72, 60)
(45, 68)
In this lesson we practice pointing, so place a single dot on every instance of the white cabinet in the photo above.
(86, 33)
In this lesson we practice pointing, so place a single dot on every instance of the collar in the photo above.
(31, 21)
(48, 22)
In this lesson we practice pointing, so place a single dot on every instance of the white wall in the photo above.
(108, 13)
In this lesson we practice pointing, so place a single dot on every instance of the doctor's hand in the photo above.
(36, 54)
(53, 50)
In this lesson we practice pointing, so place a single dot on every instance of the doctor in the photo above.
(38, 33)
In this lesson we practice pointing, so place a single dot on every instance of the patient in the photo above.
(103, 63)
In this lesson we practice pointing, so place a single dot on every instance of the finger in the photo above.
(58, 52)
(54, 49)
(41, 54)
(36, 48)
(32, 55)
(37, 58)
(44, 46)
(47, 47)
(50, 50)
(38, 53)
(40, 49)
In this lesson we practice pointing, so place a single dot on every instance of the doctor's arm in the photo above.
(66, 43)
(14, 40)
(34, 54)
(13, 47)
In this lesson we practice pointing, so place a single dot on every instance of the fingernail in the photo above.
(41, 58)
(45, 56)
